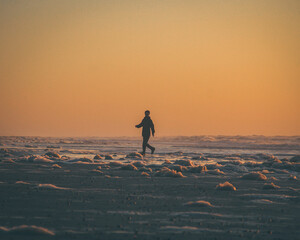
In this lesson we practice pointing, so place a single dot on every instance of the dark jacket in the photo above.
(147, 124)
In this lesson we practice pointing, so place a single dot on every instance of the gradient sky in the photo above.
(91, 68)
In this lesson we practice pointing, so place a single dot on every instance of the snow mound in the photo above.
(235, 168)
(35, 158)
(255, 176)
(167, 162)
(22, 182)
(295, 159)
(96, 171)
(134, 155)
(27, 230)
(226, 186)
(187, 163)
(115, 164)
(236, 162)
(129, 167)
(50, 186)
(199, 203)
(145, 169)
(273, 179)
(4, 151)
(166, 172)
(213, 166)
(139, 164)
(178, 168)
(82, 160)
(200, 157)
(8, 161)
(265, 171)
(215, 172)
(270, 186)
(198, 169)
(56, 166)
(98, 157)
(292, 177)
(251, 164)
(145, 174)
(266, 157)
(263, 201)
(109, 157)
(52, 155)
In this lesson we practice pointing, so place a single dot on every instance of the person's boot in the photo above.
(152, 150)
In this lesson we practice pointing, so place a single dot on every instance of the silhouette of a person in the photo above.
(147, 124)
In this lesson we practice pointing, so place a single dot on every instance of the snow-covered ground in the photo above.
(223, 187)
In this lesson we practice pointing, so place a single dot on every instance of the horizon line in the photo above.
(124, 136)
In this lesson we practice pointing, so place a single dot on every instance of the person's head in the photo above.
(147, 113)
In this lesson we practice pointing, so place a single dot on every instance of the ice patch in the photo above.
(22, 182)
(270, 186)
(50, 186)
(199, 203)
(263, 201)
(266, 196)
(226, 186)
(8, 161)
(97, 171)
(180, 228)
(24, 230)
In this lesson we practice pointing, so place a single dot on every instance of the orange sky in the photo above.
(91, 68)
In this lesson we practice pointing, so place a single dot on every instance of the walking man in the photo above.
(147, 124)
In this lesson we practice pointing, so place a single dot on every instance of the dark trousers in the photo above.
(146, 144)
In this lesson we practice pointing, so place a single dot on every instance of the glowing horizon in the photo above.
(91, 68)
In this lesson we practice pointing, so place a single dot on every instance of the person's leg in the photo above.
(150, 147)
(145, 142)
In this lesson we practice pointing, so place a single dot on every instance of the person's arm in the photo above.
(140, 125)
(152, 128)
